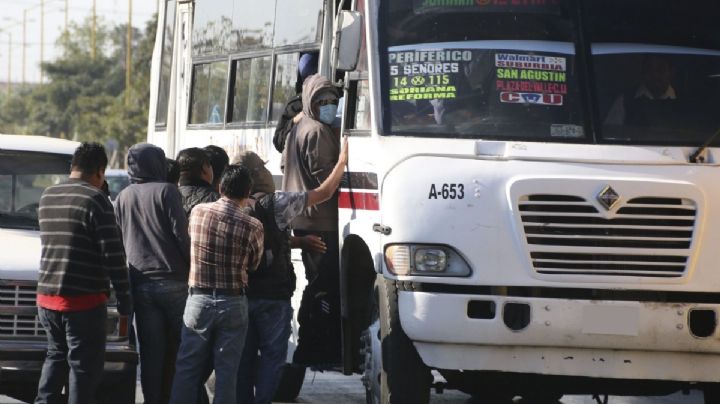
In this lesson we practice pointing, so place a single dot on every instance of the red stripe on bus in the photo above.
(358, 200)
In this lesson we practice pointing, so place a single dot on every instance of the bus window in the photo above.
(208, 93)
(251, 89)
(210, 27)
(657, 70)
(222, 28)
(286, 67)
(252, 24)
(166, 64)
(298, 23)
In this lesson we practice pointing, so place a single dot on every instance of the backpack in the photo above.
(285, 123)
(275, 276)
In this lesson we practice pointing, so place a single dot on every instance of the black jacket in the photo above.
(293, 107)
(195, 192)
(275, 276)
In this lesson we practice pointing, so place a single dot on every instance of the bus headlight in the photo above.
(430, 259)
(427, 260)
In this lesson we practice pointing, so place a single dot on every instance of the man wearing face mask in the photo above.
(310, 154)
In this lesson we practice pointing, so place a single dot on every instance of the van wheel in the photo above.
(291, 383)
(404, 377)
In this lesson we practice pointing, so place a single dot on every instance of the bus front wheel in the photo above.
(404, 376)
(711, 392)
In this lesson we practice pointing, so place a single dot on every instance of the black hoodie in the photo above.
(151, 216)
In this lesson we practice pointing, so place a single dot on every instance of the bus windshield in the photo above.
(641, 72)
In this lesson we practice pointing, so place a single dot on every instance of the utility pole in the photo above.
(9, 78)
(42, 38)
(66, 33)
(7, 31)
(24, 45)
(128, 55)
(94, 30)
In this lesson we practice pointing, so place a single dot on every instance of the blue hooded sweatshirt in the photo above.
(151, 216)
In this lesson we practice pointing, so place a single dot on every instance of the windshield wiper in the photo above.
(696, 157)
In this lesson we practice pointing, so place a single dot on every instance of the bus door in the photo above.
(359, 216)
(183, 68)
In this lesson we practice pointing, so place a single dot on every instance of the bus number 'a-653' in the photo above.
(447, 191)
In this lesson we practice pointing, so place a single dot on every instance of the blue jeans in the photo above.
(76, 345)
(215, 328)
(159, 309)
(268, 333)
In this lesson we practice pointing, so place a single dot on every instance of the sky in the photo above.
(11, 15)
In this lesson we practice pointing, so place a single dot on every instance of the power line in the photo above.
(108, 10)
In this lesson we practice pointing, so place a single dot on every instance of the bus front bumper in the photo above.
(594, 338)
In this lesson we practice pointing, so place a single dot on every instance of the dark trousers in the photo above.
(75, 356)
(319, 315)
(327, 261)
(159, 307)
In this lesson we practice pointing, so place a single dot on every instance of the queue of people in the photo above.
(201, 248)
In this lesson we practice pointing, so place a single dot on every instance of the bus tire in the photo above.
(372, 362)
(711, 393)
(404, 377)
(291, 383)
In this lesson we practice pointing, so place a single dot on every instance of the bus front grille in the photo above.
(646, 236)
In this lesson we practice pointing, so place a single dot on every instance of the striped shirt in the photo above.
(82, 250)
(224, 241)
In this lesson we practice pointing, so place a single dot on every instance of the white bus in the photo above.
(529, 206)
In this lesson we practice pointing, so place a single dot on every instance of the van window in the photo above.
(23, 178)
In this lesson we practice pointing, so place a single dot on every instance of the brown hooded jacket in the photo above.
(310, 154)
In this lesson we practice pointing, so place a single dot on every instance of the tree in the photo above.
(84, 97)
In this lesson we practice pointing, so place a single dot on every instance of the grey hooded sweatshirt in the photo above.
(310, 154)
(151, 216)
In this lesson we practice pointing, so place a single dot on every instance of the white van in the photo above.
(29, 164)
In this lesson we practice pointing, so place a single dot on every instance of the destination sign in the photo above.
(545, 6)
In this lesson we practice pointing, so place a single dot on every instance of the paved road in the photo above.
(334, 388)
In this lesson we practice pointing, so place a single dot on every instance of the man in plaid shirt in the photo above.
(225, 243)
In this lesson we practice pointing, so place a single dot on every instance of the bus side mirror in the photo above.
(348, 37)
